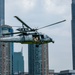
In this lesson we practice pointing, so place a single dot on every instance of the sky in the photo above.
(38, 13)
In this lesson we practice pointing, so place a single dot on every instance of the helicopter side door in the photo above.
(36, 38)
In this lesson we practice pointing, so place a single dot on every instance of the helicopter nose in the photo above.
(51, 40)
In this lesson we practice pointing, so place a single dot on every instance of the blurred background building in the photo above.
(18, 63)
(2, 12)
(38, 59)
(73, 32)
(63, 72)
(6, 49)
(6, 52)
(66, 72)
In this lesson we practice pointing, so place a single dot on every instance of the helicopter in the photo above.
(28, 35)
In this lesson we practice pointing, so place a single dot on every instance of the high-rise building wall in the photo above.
(6, 49)
(73, 32)
(38, 59)
(2, 13)
(6, 52)
(18, 63)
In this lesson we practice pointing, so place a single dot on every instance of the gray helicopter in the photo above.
(28, 35)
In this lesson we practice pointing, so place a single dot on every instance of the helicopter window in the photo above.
(36, 38)
(42, 36)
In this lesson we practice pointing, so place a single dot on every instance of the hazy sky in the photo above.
(38, 13)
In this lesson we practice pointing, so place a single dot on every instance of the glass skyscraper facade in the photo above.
(18, 63)
(73, 32)
(38, 59)
(2, 13)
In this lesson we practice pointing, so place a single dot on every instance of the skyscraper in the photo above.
(73, 32)
(6, 52)
(38, 59)
(6, 49)
(2, 13)
(18, 63)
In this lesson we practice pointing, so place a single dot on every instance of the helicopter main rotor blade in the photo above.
(22, 22)
(52, 24)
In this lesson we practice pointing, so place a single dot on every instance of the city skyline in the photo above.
(37, 13)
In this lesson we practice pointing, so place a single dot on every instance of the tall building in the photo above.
(6, 49)
(73, 32)
(38, 59)
(6, 52)
(18, 63)
(2, 13)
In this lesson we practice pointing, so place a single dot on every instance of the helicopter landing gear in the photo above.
(37, 45)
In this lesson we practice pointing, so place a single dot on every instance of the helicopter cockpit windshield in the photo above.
(45, 36)
(42, 36)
